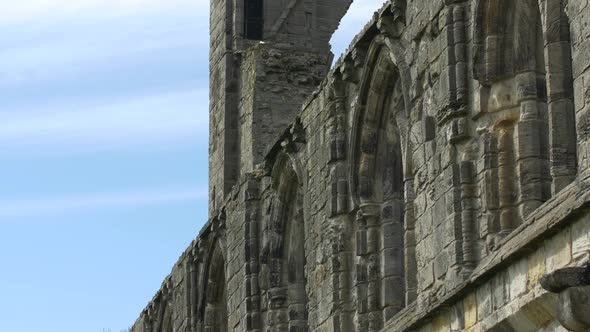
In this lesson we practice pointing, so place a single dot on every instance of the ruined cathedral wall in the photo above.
(482, 124)
(208, 280)
(384, 176)
(439, 170)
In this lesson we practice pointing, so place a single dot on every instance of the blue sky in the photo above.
(103, 154)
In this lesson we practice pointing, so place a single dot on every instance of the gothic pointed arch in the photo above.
(213, 309)
(283, 250)
(492, 39)
(380, 173)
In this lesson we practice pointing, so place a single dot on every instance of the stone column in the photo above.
(392, 259)
(361, 319)
(468, 196)
(368, 271)
(507, 188)
(532, 150)
(558, 63)
(410, 263)
(251, 220)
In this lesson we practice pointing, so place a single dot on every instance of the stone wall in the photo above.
(268, 82)
(224, 96)
(275, 82)
(437, 173)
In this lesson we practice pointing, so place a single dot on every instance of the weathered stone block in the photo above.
(517, 279)
(558, 250)
(441, 323)
(470, 310)
(484, 300)
(500, 291)
(580, 233)
(426, 276)
(536, 267)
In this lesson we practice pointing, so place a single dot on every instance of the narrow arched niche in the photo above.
(523, 61)
(283, 251)
(381, 173)
(215, 306)
(293, 263)
(378, 186)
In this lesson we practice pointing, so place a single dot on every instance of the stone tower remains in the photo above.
(266, 58)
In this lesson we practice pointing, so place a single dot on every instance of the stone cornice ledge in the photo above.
(542, 223)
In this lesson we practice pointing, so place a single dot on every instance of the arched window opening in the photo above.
(254, 19)
(389, 194)
(294, 264)
(384, 253)
(215, 307)
(284, 251)
(524, 64)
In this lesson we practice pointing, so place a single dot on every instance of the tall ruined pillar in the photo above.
(266, 57)
(223, 98)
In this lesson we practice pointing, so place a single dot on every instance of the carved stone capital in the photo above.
(360, 217)
(296, 137)
(252, 191)
(359, 55)
(298, 132)
(390, 27)
(219, 221)
(348, 72)
(369, 211)
(352, 65)
(337, 88)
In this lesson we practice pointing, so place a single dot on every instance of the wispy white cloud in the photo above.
(47, 60)
(51, 44)
(144, 120)
(49, 54)
(23, 11)
(10, 209)
(88, 75)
